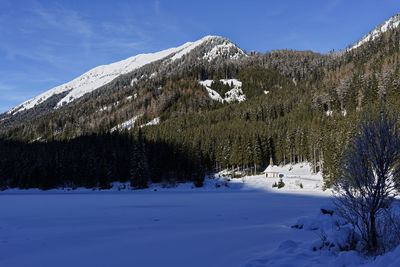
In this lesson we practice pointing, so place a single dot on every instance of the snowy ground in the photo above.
(298, 179)
(246, 223)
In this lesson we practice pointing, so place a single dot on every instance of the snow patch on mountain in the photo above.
(102, 75)
(125, 125)
(391, 23)
(133, 81)
(189, 46)
(235, 94)
(214, 95)
(232, 82)
(223, 49)
(155, 121)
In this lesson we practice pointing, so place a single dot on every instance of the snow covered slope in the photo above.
(103, 75)
(391, 23)
(125, 125)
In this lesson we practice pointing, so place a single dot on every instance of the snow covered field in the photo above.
(226, 228)
(248, 223)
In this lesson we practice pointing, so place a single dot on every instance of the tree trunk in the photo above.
(373, 240)
(314, 160)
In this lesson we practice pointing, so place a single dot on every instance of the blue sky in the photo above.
(49, 42)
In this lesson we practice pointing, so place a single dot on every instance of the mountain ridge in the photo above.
(390, 23)
(297, 106)
(104, 74)
(170, 83)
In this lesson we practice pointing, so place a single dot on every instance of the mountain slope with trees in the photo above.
(300, 106)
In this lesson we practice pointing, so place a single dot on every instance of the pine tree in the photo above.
(257, 156)
(138, 164)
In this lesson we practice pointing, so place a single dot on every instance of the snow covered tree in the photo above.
(370, 176)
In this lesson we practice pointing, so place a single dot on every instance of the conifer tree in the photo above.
(139, 170)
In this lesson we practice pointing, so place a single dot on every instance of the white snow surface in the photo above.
(214, 95)
(190, 46)
(228, 222)
(391, 23)
(329, 113)
(133, 81)
(102, 75)
(234, 82)
(235, 94)
(329, 251)
(154, 121)
(224, 48)
(125, 125)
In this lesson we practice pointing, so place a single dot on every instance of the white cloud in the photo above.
(5, 87)
(64, 19)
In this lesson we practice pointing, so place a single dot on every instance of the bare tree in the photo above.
(370, 175)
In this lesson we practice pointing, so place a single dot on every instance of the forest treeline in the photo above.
(310, 112)
(97, 161)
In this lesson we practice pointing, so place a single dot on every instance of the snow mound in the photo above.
(391, 259)
(330, 241)
(331, 235)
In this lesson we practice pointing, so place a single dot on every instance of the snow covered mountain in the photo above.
(391, 23)
(210, 47)
(168, 84)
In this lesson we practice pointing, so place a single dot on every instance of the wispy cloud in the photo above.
(157, 9)
(5, 87)
(45, 44)
(327, 7)
(68, 21)
(124, 34)
(45, 30)
(40, 54)
(34, 35)
(64, 19)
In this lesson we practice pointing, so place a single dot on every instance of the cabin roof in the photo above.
(272, 169)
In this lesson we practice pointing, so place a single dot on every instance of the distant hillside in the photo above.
(212, 105)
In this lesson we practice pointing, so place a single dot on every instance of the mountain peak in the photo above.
(389, 24)
(216, 46)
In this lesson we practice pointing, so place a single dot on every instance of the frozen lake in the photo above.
(146, 228)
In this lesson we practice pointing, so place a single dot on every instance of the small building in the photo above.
(272, 171)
